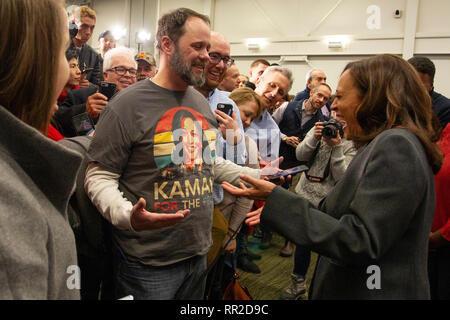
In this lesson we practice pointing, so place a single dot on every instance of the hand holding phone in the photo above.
(228, 124)
(225, 108)
(86, 70)
(284, 173)
(108, 89)
(95, 104)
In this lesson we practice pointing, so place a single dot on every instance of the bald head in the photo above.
(219, 56)
(316, 77)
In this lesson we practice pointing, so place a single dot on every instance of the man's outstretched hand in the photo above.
(142, 219)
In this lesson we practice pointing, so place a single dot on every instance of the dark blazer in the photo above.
(74, 104)
(290, 125)
(441, 106)
(379, 213)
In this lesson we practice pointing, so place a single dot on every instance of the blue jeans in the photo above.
(183, 280)
(302, 258)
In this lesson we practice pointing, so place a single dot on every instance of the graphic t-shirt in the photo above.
(162, 143)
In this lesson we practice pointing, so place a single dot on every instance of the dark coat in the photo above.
(290, 125)
(379, 213)
(441, 106)
(88, 57)
(74, 104)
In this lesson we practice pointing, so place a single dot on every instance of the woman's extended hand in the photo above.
(260, 190)
(254, 217)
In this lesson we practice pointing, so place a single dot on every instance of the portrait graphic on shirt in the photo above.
(184, 145)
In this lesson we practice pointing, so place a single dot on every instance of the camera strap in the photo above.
(311, 162)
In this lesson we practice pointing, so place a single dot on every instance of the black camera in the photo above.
(73, 30)
(331, 128)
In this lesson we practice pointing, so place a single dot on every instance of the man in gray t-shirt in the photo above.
(135, 138)
(154, 147)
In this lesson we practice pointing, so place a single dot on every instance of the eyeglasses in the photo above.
(215, 58)
(121, 71)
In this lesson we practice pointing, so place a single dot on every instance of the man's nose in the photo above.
(204, 55)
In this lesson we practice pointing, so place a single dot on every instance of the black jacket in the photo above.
(88, 57)
(441, 106)
(74, 104)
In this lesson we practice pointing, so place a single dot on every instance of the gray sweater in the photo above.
(339, 158)
(37, 246)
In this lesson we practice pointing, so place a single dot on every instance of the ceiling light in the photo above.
(337, 41)
(118, 32)
(144, 36)
(256, 43)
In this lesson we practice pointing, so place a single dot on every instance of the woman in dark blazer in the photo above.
(371, 231)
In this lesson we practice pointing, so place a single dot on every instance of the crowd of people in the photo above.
(126, 177)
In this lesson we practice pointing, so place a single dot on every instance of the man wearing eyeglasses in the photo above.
(230, 144)
(152, 165)
(119, 68)
(230, 125)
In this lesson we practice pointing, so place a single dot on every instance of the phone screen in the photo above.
(290, 171)
(83, 124)
(108, 89)
(86, 70)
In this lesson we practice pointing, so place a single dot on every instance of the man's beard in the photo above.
(184, 72)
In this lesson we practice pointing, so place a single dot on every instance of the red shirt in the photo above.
(442, 184)
(54, 134)
(63, 95)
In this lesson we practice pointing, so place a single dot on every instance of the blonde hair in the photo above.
(28, 51)
(87, 12)
(244, 95)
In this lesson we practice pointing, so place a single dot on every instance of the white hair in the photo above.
(119, 51)
(284, 71)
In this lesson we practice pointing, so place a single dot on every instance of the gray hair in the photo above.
(321, 84)
(284, 71)
(119, 51)
(309, 74)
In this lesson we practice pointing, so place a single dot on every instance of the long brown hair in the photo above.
(392, 95)
(30, 39)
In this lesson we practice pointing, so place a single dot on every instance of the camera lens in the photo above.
(329, 132)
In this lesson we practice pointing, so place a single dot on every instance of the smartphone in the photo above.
(287, 172)
(225, 108)
(108, 89)
(83, 124)
(86, 70)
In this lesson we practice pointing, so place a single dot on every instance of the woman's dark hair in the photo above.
(392, 95)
